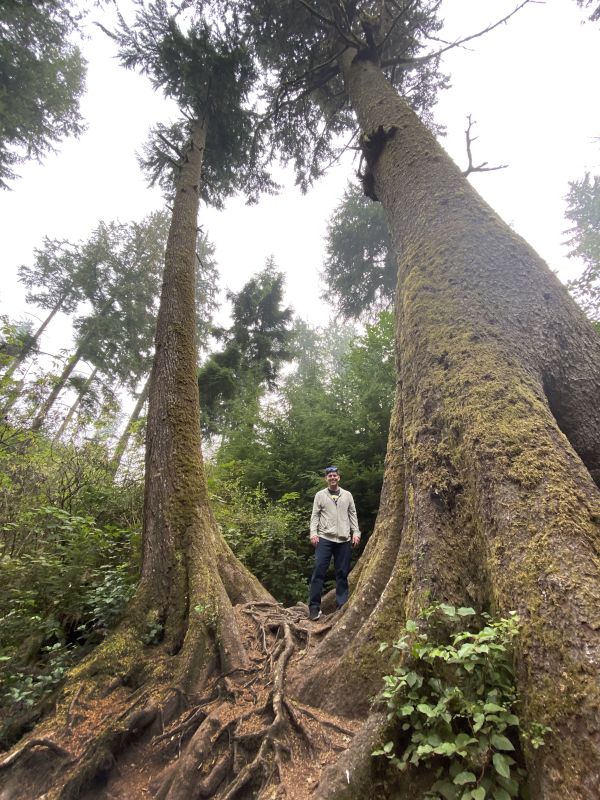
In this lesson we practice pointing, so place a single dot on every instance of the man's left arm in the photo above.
(354, 530)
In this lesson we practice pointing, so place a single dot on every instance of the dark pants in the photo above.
(342, 555)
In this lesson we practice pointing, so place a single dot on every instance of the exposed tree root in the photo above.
(17, 754)
(242, 735)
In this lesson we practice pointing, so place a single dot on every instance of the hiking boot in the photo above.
(315, 613)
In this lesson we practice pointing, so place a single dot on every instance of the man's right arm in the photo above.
(314, 521)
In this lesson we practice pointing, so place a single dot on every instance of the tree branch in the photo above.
(351, 40)
(483, 167)
(410, 62)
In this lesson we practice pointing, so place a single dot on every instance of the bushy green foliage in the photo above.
(334, 408)
(69, 541)
(270, 538)
(454, 698)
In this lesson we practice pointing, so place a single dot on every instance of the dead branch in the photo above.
(72, 704)
(483, 167)
(412, 62)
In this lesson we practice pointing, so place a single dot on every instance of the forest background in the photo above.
(268, 439)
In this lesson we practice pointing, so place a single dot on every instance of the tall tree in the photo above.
(360, 268)
(117, 269)
(189, 576)
(42, 77)
(495, 440)
(52, 283)
(255, 347)
(584, 212)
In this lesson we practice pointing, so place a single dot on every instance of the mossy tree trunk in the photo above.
(500, 440)
(180, 626)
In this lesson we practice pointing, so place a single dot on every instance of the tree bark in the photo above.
(180, 578)
(500, 436)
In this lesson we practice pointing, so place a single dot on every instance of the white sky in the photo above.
(528, 84)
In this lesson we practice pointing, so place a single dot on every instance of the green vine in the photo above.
(454, 697)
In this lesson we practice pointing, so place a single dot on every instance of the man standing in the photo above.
(333, 532)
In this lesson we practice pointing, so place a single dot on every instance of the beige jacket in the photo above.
(336, 522)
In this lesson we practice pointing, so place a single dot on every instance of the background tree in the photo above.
(255, 347)
(584, 212)
(42, 77)
(118, 271)
(360, 270)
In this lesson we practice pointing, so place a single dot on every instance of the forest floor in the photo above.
(245, 736)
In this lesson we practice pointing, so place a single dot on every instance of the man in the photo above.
(333, 532)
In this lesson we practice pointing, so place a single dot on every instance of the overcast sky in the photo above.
(529, 84)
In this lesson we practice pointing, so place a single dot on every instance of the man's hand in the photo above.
(314, 540)
(355, 540)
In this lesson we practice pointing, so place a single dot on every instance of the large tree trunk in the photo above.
(180, 626)
(500, 379)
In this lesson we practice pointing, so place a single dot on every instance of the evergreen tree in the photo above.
(359, 270)
(584, 212)
(42, 77)
(486, 336)
(118, 271)
(255, 347)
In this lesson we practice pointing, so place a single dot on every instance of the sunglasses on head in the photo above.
(330, 469)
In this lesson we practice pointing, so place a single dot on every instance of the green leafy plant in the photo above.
(454, 697)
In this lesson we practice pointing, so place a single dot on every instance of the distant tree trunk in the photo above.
(23, 355)
(71, 412)
(115, 461)
(59, 385)
(26, 350)
(500, 440)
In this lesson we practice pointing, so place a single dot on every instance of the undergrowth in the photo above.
(453, 697)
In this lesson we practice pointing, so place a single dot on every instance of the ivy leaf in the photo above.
(478, 793)
(500, 793)
(501, 742)
(388, 747)
(501, 765)
(464, 611)
(449, 611)
(464, 777)
(448, 790)
(492, 708)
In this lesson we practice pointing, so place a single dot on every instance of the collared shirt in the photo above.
(334, 517)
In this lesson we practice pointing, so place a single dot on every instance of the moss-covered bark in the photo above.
(497, 368)
(180, 625)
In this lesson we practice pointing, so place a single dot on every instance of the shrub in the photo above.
(454, 699)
